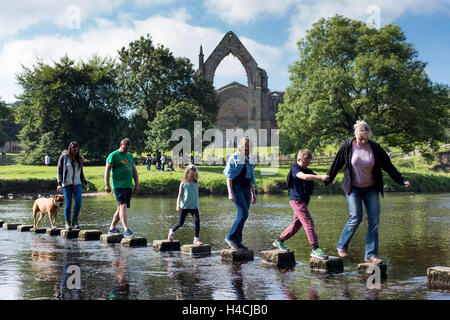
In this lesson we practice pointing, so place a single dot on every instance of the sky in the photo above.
(269, 29)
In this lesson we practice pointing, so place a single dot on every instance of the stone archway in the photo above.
(259, 104)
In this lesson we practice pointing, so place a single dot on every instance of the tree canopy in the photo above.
(350, 71)
(69, 101)
(152, 79)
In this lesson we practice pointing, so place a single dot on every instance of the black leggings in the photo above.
(183, 214)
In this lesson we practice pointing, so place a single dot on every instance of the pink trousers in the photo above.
(302, 217)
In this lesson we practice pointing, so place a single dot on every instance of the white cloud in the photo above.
(106, 38)
(242, 12)
(308, 12)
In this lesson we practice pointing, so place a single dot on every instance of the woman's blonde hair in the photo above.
(190, 174)
(362, 127)
(245, 141)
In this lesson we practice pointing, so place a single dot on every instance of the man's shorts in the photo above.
(123, 195)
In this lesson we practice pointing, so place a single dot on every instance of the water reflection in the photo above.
(119, 272)
(413, 236)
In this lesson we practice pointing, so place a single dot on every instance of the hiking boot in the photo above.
(280, 245)
(68, 225)
(318, 253)
(242, 247)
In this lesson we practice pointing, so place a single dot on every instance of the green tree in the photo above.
(349, 71)
(4, 114)
(152, 79)
(69, 101)
(179, 115)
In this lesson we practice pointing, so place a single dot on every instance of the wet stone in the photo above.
(38, 230)
(331, 265)
(70, 234)
(134, 242)
(24, 228)
(54, 232)
(439, 277)
(237, 255)
(11, 226)
(1, 223)
(366, 269)
(279, 258)
(196, 249)
(166, 245)
(88, 235)
(111, 238)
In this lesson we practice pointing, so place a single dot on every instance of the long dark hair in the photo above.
(76, 156)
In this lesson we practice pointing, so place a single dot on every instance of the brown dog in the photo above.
(47, 206)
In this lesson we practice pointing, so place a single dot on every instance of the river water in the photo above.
(414, 235)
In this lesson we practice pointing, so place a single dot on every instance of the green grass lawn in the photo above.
(21, 178)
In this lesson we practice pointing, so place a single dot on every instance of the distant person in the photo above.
(187, 202)
(158, 165)
(363, 181)
(70, 178)
(170, 166)
(163, 161)
(121, 162)
(47, 160)
(300, 181)
(241, 190)
(148, 161)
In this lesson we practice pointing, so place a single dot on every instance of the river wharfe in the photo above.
(414, 235)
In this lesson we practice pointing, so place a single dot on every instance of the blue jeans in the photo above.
(242, 199)
(68, 193)
(149, 165)
(372, 204)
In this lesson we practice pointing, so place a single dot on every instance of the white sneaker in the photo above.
(170, 235)
(232, 244)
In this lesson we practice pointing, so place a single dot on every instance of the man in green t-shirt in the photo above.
(123, 172)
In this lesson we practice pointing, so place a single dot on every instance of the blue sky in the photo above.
(48, 29)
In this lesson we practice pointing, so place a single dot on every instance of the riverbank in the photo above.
(27, 182)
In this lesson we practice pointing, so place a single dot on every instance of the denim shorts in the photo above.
(123, 195)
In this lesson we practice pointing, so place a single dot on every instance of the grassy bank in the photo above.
(37, 179)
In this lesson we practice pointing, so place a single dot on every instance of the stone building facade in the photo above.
(252, 106)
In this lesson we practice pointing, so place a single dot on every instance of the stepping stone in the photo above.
(87, 235)
(11, 226)
(279, 258)
(1, 223)
(24, 228)
(195, 249)
(363, 269)
(166, 245)
(439, 277)
(237, 255)
(38, 230)
(331, 265)
(70, 234)
(54, 232)
(134, 242)
(111, 238)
